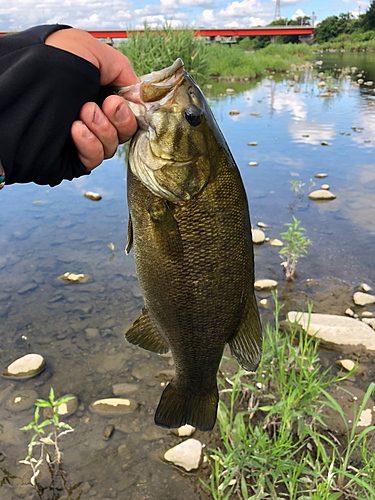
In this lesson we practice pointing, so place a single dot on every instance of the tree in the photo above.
(369, 17)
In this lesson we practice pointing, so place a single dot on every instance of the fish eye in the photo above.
(193, 115)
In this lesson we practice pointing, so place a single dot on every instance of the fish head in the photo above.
(170, 153)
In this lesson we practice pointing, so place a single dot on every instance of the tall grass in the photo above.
(353, 42)
(274, 438)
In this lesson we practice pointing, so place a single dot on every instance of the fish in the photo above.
(190, 231)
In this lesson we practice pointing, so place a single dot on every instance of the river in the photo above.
(79, 328)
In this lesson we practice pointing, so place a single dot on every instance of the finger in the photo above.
(90, 149)
(121, 116)
(96, 121)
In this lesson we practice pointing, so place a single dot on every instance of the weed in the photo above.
(294, 248)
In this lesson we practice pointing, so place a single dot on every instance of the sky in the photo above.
(16, 15)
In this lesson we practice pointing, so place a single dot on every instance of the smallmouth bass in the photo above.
(189, 227)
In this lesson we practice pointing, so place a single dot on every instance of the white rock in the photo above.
(185, 430)
(347, 364)
(274, 242)
(252, 144)
(262, 285)
(113, 406)
(230, 91)
(253, 164)
(370, 322)
(26, 367)
(258, 236)
(362, 299)
(349, 312)
(92, 196)
(74, 279)
(365, 288)
(335, 330)
(324, 186)
(321, 195)
(186, 454)
(365, 419)
(263, 303)
(367, 314)
(320, 176)
(262, 224)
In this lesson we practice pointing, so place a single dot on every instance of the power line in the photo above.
(277, 10)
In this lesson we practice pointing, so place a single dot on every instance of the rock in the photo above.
(230, 91)
(92, 196)
(335, 331)
(321, 195)
(65, 409)
(349, 312)
(347, 364)
(28, 288)
(186, 454)
(92, 333)
(263, 303)
(365, 288)
(165, 375)
(185, 430)
(370, 322)
(23, 400)
(263, 285)
(253, 164)
(108, 431)
(256, 114)
(274, 242)
(363, 299)
(234, 112)
(360, 81)
(153, 433)
(124, 389)
(262, 225)
(367, 314)
(28, 366)
(320, 176)
(324, 186)
(113, 406)
(252, 144)
(74, 279)
(258, 236)
(324, 143)
(305, 135)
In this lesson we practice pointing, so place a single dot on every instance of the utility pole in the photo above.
(277, 10)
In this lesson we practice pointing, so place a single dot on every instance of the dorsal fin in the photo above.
(143, 334)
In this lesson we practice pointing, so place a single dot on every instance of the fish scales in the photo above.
(194, 262)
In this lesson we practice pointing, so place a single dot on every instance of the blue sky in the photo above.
(122, 14)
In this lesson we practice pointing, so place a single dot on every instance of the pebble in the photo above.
(263, 303)
(321, 195)
(28, 288)
(108, 431)
(263, 285)
(74, 279)
(349, 312)
(186, 454)
(367, 314)
(23, 400)
(28, 366)
(185, 430)
(365, 288)
(324, 186)
(324, 143)
(65, 409)
(370, 322)
(230, 91)
(153, 433)
(234, 112)
(274, 242)
(92, 196)
(258, 236)
(347, 364)
(363, 299)
(253, 164)
(165, 375)
(92, 333)
(321, 176)
(113, 406)
(252, 144)
(124, 389)
(262, 224)
(256, 114)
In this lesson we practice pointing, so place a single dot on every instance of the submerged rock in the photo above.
(321, 195)
(74, 279)
(28, 366)
(363, 299)
(335, 331)
(186, 454)
(263, 285)
(114, 406)
(65, 409)
(23, 400)
(124, 389)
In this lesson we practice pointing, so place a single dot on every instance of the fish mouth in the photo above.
(154, 89)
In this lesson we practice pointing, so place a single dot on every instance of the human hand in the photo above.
(99, 131)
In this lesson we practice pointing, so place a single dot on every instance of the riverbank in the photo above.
(354, 42)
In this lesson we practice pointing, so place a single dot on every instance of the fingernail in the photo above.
(122, 113)
(99, 118)
(86, 132)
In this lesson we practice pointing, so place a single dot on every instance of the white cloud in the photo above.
(207, 18)
(196, 3)
(298, 13)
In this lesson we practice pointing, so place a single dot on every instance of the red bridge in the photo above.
(267, 30)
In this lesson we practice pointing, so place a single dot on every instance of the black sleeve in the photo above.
(42, 89)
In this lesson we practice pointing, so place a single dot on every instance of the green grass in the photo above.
(275, 442)
(354, 42)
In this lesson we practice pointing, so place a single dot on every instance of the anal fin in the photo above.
(246, 346)
(143, 334)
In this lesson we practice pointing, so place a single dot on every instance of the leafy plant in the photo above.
(52, 457)
(295, 247)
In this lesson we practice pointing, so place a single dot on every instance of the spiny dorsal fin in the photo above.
(246, 346)
(129, 240)
(143, 334)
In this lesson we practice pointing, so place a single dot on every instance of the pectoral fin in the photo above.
(143, 334)
(165, 229)
(246, 346)
(129, 240)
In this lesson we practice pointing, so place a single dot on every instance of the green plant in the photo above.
(53, 458)
(274, 438)
(295, 246)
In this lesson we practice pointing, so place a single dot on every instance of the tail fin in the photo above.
(177, 408)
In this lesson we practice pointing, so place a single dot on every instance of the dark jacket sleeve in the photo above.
(42, 89)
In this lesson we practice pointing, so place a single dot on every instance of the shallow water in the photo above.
(67, 232)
